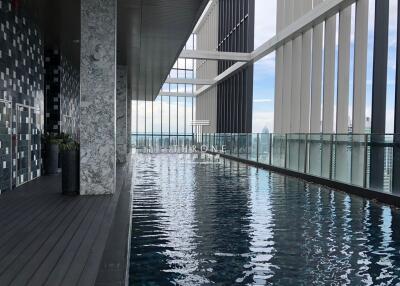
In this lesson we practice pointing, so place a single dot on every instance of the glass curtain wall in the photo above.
(166, 121)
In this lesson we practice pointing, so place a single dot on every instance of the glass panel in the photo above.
(263, 148)
(188, 115)
(292, 153)
(315, 153)
(358, 159)
(141, 117)
(242, 146)
(181, 116)
(253, 147)
(381, 162)
(326, 159)
(342, 149)
(278, 150)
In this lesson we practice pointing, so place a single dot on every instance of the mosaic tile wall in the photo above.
(70, 89)
(21, 97)
(52, 91)
(61, 95)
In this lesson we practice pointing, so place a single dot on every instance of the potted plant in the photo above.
(51, 157)
(70, 167)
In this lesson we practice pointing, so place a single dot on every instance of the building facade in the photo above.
(228, 26)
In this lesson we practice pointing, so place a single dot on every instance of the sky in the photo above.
(264, 74)
(264, 70)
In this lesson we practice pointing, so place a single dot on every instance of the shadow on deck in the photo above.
(50, 239)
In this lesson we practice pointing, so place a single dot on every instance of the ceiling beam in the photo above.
(215, 55)
(306, 22)
(179, 94)
(195, 81)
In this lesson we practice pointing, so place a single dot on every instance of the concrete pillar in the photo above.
(316, 95)
(360, 87)
(342, 166)
(279, 71)
(122, 131)
(360, 61)
(342, 113)
(379, 90)
(98, 97)
(329, 75)
(316, 79)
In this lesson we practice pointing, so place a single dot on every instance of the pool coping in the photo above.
(115, 260)
(386, 198)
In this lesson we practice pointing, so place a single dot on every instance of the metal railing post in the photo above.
(258, 138)
(331, 158)
(270, 149)
(306, 154)
(232, 151)
(238, 145)
(365, 160)
(286, 150)
(247, 146)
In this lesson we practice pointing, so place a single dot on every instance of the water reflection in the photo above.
(197, 222)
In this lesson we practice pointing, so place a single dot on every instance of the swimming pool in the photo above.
(201, 221)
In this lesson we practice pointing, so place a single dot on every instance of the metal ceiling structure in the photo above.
(151, 35)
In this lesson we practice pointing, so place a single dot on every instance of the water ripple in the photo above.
(200, 221)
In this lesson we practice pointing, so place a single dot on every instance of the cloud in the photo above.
(262, 100)
(261, 120)
(265, 21)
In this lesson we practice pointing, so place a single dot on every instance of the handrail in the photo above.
(363, 160)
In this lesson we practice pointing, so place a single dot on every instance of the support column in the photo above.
(98, 97)
(122, 131)
(316, 79)
(360, 91)
(305, 93)
(287, 69)
(129, 122)
(342, 111)
(279, 71)
(316, 95)
(329, 93)
(379, 84)
(396, 148)
(329, 75)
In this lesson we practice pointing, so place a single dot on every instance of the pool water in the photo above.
(202, 221)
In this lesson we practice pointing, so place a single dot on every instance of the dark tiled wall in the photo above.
(21, 97)
(70, 90)
(52, 91)
(61, 95)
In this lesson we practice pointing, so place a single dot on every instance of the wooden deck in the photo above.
(50, 239)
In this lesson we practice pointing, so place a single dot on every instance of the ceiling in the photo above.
(151, 35)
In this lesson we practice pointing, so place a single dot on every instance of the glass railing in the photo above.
(363, 160)
(162, 141)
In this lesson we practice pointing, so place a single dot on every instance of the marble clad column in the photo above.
(122, 131)
(129, 122)
(98, 97)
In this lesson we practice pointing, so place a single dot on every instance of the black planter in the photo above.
(70, 172)
(51, 159)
